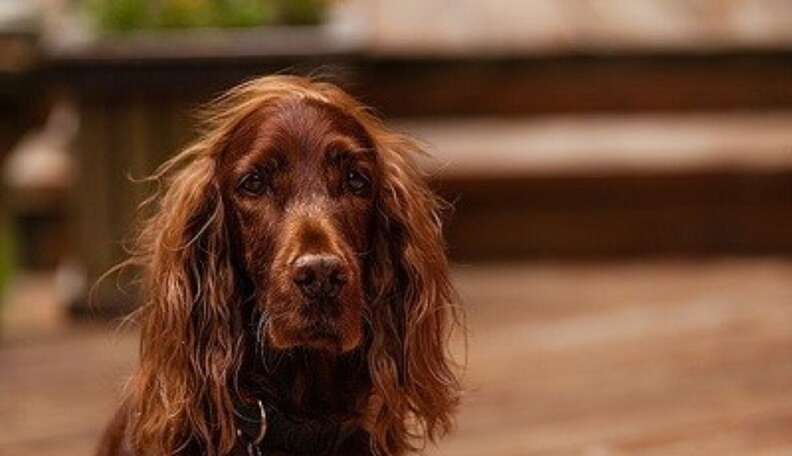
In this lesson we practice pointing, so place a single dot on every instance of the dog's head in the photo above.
(302, 178)
(300, 214)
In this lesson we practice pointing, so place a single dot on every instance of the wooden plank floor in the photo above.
(656, 358)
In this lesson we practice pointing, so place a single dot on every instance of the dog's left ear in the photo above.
(414, 310)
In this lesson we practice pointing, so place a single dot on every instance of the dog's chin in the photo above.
(334, 337)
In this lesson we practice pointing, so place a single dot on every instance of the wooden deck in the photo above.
(652, 358)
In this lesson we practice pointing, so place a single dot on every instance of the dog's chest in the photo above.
(355, 445)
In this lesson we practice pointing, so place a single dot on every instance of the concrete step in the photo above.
(601, 186)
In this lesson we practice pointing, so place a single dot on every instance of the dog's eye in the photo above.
(253, 184)
(358, 183)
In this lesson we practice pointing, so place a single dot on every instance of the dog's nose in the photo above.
(319, 276)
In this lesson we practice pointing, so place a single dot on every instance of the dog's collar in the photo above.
(260, 427)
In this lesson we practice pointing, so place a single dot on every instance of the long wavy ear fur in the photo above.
(190, 338)
(416, 313)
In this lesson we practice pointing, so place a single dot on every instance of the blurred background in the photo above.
(621, 172)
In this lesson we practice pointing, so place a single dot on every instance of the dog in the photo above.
(296, 296)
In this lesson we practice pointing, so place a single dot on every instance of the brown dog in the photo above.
(297, 292)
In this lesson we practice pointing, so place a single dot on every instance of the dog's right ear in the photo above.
(189, 337)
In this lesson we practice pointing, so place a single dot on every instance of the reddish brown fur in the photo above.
(223, 318)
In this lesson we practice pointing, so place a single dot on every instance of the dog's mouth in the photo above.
(322, 334)
(321, 311)
(327, 326)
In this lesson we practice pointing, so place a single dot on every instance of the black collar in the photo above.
(261, 427)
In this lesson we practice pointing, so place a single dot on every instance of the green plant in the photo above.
(302, 12)
(185, 13)
(128, 15)
(243, 13)
(120, 15)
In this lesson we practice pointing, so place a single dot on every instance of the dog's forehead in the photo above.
(309, 125)
(304, 128)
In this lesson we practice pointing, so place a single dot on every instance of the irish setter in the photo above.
(297, 298)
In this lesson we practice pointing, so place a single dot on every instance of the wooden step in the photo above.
(593, 186)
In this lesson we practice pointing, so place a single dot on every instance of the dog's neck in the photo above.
(314, 402)
(310, 383)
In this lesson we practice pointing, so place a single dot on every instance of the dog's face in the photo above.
(301, 177)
